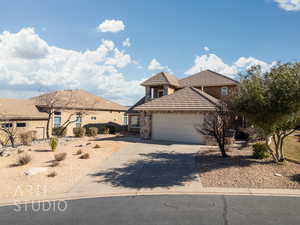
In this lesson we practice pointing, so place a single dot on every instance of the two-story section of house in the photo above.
(171, 108)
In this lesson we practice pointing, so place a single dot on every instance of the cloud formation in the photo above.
(28, 63)
(206, 49)
(215, 63)
(155, 65)
(126, 42)
(289, 5)
(111, 26)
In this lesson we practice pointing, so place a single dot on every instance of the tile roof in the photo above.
(78, 99)
(207, 78)
(132, 108)
(186, 99)
(19, 109)
(160, 79)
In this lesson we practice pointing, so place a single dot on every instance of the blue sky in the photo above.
(53, 44)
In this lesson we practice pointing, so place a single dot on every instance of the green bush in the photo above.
(104, 130)
(92, 131)
(59, 131)
(53, 143)
(260, 151)
(26, 138)
(79, 131)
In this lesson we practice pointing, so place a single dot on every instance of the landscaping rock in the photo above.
(34, 171)
(278, 174)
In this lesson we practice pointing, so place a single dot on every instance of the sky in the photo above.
(109, 47)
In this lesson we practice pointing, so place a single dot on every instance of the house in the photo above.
(22, 115)
(80, 108)
(171, 108)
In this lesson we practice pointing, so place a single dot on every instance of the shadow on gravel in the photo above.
(160, 169)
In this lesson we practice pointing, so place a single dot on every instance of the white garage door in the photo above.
(177, 127)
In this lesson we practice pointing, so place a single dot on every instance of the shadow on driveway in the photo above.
(159, 169)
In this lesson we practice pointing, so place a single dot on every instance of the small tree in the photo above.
(271, 102)
(9, 130)
(217, 124)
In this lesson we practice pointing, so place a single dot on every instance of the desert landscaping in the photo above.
(43, 175)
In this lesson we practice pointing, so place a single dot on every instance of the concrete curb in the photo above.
(204, 191)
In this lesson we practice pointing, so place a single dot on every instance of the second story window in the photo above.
(78, 120)
(93, 118)
(224, 91)
(57, 119)
(21, 124)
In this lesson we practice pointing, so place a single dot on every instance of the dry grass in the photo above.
(79, 152)
(52, 174)
(292, 147)
(97, 146)
(23, 160)
(60, 156)
(55, 163)
(85, 156)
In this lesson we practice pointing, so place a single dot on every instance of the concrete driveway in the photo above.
(144, 166)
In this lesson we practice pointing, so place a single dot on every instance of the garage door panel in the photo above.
(177, 127)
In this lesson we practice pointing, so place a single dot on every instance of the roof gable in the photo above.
(161, 79)
(186, 99)
(207, 78)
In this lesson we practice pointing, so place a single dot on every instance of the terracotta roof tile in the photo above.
(187, 99)
(78, 99)
(161, 79)
(207, 78)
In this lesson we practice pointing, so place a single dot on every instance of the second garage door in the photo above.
(178, 127)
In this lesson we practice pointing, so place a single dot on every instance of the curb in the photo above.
(204, 191)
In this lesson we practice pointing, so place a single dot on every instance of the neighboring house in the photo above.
(22, 115)
(81, 108)
(171, 108)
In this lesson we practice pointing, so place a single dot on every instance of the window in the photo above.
(93, 117)
(160, 93)
(57, 119)
(125, 120)
(6, 125)
(78, 120)
(21, 124)
(224, 91)
(135, 121)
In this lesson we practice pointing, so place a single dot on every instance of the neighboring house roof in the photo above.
(132, 108)
(19, 109)
(207, 78)
(186, 99)
(160, 79)
(77, 99)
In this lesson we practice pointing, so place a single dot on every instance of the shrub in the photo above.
(260, 151)
(55, 163)
(79, 152)
(85, 156)
(26, 138)
(79, 131)
(60, 156)
(92, 131)
(97, 146)
(112, 129)
(23, 160)
(104, 130)
(53, 143)
(59, 131)
(52, 174)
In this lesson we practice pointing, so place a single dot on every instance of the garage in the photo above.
(179, 127)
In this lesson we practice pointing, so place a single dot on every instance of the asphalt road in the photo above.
(158, 210)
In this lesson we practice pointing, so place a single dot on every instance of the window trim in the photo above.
(226, 92)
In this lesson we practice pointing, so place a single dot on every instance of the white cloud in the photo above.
(126, 42)
(215, 63)
(28, 63)
(155, 65)
(289, 5)
(206, 49)
(111, 26)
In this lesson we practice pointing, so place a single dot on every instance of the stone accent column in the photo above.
(145, 125)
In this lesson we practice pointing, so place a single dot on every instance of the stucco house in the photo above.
(81, 107)
(171, 108)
